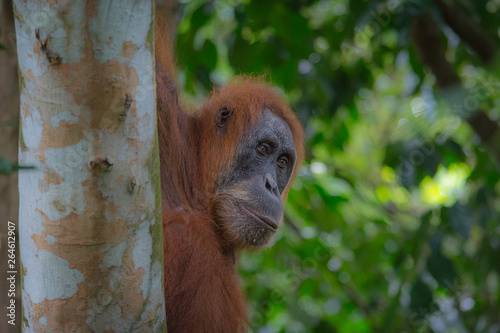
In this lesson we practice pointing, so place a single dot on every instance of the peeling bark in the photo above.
(91, 249)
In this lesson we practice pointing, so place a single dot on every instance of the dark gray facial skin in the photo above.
(252, 189)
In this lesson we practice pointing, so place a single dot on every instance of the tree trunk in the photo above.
(90, 217)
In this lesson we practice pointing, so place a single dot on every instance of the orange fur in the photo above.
(201, 282)
(163, 47)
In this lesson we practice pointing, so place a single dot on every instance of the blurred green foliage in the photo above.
(392, 225)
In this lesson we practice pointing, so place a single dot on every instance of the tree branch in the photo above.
(427, 40)
(468, 31)
(361, 304)
(292, 225)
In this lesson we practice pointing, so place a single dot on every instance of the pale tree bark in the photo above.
(9, 134)
(90, 217)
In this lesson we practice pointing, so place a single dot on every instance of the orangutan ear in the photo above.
(222, 118)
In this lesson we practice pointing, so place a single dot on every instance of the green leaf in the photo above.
(208, 55)
(442, 270)
(421, 301)
(460, 219)
(199, 17)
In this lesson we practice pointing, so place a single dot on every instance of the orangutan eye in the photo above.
(264, 149)
(282, 161)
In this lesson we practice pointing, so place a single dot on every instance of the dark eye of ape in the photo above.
(282, 161)
(264, 149)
